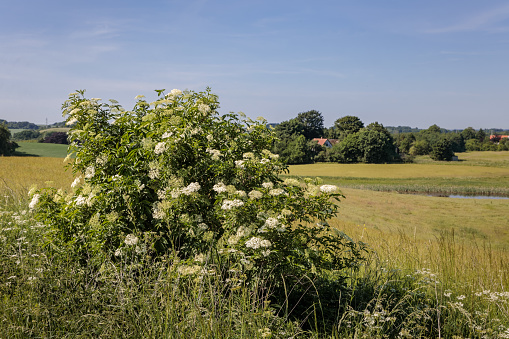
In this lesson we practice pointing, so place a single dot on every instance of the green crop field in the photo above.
(36, 149)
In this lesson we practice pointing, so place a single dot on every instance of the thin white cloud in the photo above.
(488, 20)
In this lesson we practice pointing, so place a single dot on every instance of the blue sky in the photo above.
(398, 62)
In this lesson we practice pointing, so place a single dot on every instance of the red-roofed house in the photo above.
(325, 142)
(496, 138)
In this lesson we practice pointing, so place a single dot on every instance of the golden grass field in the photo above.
(470, 167)
(419, 216)
(18, 174)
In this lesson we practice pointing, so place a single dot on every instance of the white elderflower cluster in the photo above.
(229, 204)
(267, 185)
(204, 109)
(271, 222)
(89, 172)
(174, 93)
(76, 182)
(158, 212)
(256, 242)
(240, 193)
(220, 187)
(153, 170)
(131, 240)
(254, 194)
(35, 200)
(214, 152)
(191, 188)
(291, 182)
(167, 135)
(80, 200)
(160, 147)
(328, 188)
(72, 121)
(101, 160)
(276, 191)
(239, 163)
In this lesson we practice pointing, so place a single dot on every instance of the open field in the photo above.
(37, 149)
(426, 218)
(17, 174)
(479, 173)
(440, 259)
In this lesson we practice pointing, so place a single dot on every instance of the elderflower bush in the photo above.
(177, 176)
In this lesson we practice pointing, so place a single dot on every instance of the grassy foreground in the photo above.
(437, 268)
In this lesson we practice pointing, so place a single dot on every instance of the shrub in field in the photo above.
(173, 175)
(56, 138)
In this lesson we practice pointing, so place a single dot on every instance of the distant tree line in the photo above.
(353, 142)
(19, 124)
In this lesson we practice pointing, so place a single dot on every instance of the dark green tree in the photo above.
(7, 147)
(480, 135)
(468, 133)
(312, 122)
(404, 141)
(433, 129)
(420, 147)
(377, 144)
(348, 150)
(442, 150)
(348, 124)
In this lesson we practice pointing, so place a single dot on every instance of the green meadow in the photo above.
(37, 149)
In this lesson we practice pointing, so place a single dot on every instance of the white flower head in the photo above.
(76, 182)
(328, 188)
(276, 191)
(160, 147)
(256, 242)
(229, 204)
(35, 200)
(166, 135)
(174, 92)
(131, 240)
(271, 222)
(254, 194)
(215, 153)
(220, 187)
(267, 185)
(203, 108)
(80, 200)
(191, 188)
(89, 172)
(239, 163)
(72, 121)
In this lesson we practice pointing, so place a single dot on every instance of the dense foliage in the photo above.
(56, 138)
(172, 177)
(28, 134)
(7, 147)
